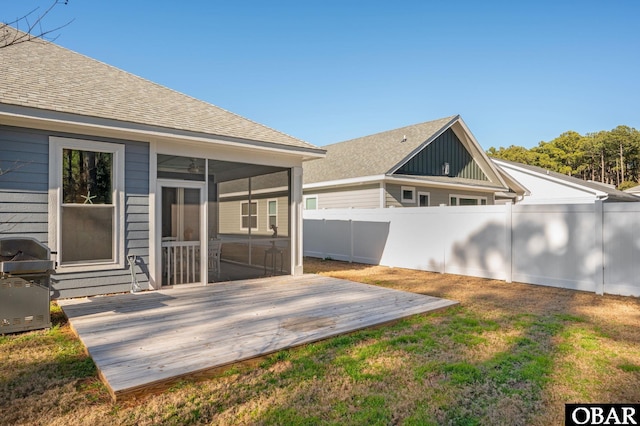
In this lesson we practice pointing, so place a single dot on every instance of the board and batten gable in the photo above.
(24, 207)
(448, 149)
(427, 164)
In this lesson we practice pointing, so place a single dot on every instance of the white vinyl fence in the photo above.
(590, 247)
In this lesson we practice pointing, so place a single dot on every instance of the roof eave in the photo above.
(19, 116)
(475, 146)
(456, 185)
(362, 180)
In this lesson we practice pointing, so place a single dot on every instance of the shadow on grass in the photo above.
(492, 360)
(41, 362)
(437, 379)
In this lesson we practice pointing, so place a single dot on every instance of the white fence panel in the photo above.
(475, 241)
(590, 247)
(462, 240)
(369, 240)
(413, 242)
(313, 238)
(555, 245)
(332, 239)
(622, 248)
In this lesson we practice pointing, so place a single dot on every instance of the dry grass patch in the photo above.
(509, 354)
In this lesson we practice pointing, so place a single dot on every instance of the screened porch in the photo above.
(222, 220)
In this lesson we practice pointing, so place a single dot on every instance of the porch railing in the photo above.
(181, 262)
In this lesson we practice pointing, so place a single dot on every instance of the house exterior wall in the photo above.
(437, 196)
(23, 191)
(24, 207)
(357, 197)
(230, 216)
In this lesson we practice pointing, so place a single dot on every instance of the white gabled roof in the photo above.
(594, 190)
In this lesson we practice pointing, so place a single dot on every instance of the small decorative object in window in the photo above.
(88, 198)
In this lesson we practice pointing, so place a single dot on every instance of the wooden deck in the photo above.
(145, 341)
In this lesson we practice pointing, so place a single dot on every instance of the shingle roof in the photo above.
(374, 154)
(46, 76)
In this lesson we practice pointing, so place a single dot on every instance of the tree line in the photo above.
(611, 157)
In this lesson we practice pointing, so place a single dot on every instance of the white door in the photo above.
(182, 232)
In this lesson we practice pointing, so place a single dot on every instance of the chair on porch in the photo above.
(274, 252)
(214, 252)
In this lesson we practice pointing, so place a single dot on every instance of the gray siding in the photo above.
(357, 197)
(24, 207)
(447, 148)
(23, 191)
(437, 196)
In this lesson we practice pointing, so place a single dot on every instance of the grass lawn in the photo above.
(510, 354)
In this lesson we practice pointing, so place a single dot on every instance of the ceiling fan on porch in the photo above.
(193, 167)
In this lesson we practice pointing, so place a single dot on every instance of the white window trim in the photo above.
(428, 194)
(304, 201)
(257, 215)
(275, 200)
(469, 197)
(413, 194)
(56, 147)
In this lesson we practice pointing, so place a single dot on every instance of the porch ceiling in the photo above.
(145, 341)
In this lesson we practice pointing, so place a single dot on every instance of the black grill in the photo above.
(25, 281)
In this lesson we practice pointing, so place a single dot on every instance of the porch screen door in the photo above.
(181, 235)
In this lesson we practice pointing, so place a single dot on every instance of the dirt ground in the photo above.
(489, 295)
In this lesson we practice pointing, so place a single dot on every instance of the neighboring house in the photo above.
(106, 168)
(547, 187)
(635, 191)
(427, 164)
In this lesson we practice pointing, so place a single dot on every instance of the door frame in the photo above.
(175, 183)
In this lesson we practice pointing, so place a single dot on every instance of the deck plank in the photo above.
(141, 341)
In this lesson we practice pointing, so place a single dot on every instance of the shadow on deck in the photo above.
(144, 342)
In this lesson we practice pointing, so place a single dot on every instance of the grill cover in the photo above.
(24, 255)
(25, 268)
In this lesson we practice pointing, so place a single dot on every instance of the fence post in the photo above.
(508, 243)
(599, 266)
(351, 240)
(324, 238)
(441, 217)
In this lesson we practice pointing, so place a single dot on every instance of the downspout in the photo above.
(135, 287)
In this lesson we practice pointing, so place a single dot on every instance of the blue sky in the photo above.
(518, 72)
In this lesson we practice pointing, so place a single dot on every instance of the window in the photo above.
(87, 186)
(466, 200)
(249, 215)
(408, 194)
(272, 212)
(423, 199)
(311, 203)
